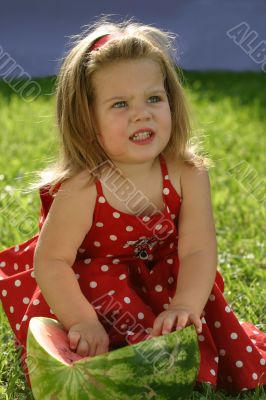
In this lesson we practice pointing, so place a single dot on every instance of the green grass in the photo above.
(230, 116)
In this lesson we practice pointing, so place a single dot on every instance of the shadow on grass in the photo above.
(214, 85)
(47, 85)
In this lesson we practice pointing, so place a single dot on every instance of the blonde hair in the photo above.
(79, 148)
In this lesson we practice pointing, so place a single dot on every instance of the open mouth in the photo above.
(142, 136)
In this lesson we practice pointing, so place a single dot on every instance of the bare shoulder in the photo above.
(69, 218)
(194, 179)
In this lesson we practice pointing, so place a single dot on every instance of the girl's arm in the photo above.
(197, 247)
(68, 221)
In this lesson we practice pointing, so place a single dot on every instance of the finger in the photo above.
(83, 348)
(182, 321)
(102, 348)
(157, 326)
(196, 322)
(74, 338)
(168, 323)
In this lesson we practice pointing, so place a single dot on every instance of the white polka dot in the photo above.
(101, 199)
(4, 293)
(26, 300)
(227, 309)
(16, 248)
(127, 300)
(165, 306)
(249, 349)
(148, 330)
(87, 260)
(212, 372)
(234, 335)
(262, 361)
(171, 245)
(17, 327)
(158, 227)
(158, 288)
(217, 324)
(170, 280)
(80, 250)
(93, 284)
(129, 228)
(99, 224)
(244, 389)
(212, 297)
(203, 320)
(166, 190)
(146, 218)
(36, 302)
(104, 268)
(17, 282)
(77, 276)
(166, 177)
(116, 215)
(51, 311)
(222, 352)
(16, 266)
(169, 261)
(216, 359)
(32, 274)
(113, 237)
(140, 315)
(25, 318)
(173, 216)
(111, 292)
(255, 332)
(27, 248)
(239, 364)
(2, 264)
(97, 244)
(116, 261)
(11, 309)
(122, 276)
(27, 267)
(201, 338)
(254, 376)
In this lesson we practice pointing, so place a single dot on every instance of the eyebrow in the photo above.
(111, 99)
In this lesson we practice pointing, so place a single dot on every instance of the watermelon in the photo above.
(163, 367)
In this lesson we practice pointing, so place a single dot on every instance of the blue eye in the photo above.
(154, 99)
(120, 104)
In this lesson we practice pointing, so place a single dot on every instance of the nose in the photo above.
(140, 112)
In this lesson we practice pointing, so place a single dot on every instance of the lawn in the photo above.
(229, 116)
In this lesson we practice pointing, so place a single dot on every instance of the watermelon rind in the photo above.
(160, 368)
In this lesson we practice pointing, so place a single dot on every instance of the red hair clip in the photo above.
(104, 39)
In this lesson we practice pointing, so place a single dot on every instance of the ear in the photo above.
(99, 138)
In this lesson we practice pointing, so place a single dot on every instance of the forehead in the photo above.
(128, 75)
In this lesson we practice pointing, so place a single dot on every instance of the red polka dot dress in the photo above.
(127, 267)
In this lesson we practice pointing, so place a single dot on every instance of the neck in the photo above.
(137, 172)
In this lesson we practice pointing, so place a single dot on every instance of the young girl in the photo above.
(127, 248)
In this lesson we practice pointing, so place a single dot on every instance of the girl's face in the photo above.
(130, 98)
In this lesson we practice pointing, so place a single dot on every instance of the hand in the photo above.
(175, 318)
(88, 338)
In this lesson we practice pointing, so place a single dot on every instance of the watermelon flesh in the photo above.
(160, 368)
